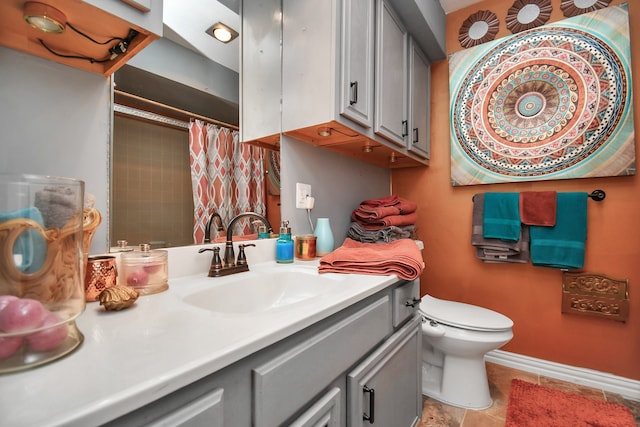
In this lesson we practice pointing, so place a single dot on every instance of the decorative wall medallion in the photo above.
(549, 103)
(527, 14)
(578, 7)
(478, 28)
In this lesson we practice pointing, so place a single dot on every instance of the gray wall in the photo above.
(56, 120)
(338, 185)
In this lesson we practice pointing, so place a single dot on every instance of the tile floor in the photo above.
(436, 414)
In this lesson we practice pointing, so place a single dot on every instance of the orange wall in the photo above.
(529, 295)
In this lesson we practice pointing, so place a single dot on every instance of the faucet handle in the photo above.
(242, 258)
(216, 262)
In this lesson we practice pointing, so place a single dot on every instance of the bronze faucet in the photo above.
(230, 265)
(207, 229)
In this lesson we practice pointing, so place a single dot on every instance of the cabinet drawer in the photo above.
(287, 383)
(406, 299)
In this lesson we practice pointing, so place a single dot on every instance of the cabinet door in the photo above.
(385, 389)
(356, 91)
(324, 413)
(419, 95)
(391, 76)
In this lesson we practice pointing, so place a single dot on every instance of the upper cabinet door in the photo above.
(419, 100)
(356, 89)
(391, 76)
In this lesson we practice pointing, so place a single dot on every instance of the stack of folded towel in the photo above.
(383, 220)
(545, 226)
(401, 257)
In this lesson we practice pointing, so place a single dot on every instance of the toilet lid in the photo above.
(465, 316)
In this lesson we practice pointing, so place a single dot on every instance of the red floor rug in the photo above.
(532, 405)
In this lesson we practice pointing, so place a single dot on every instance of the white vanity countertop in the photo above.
(132, 357)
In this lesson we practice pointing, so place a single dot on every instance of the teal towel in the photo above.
(501, 219)
(30, 248)
(563, 245)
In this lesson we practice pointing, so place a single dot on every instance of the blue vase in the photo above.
(324, 235)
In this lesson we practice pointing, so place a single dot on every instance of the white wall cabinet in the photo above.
(391, 105)
(346, 75)
(420, 101)
(357, 65)
(146, 14)
(306, 380)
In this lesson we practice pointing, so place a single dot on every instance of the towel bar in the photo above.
(596, 195)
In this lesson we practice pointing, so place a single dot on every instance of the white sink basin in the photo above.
(262, 291)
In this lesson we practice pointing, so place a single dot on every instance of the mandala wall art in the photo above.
(554, 102)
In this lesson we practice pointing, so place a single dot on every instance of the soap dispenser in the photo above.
(284, 244)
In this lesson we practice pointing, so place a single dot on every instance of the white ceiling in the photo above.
(185, 23)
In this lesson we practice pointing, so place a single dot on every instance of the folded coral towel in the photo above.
(501, 219)
(386, 234)
(388, 221)
(379, 208)
(496, 250)
(400, 257)
(538, 208)
(563, 245)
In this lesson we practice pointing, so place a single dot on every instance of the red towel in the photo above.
(388, 221)
(538, 208)
(379, 208)
(401, 257)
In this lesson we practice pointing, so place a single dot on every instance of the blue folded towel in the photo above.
(30, 248)
(563, 245)
(501, 218)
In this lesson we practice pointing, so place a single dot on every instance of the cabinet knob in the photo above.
(413, 302)
(415, 135)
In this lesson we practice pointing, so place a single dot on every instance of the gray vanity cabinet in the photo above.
(385, 389)
(313, 378)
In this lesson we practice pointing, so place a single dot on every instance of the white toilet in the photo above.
(456, 336)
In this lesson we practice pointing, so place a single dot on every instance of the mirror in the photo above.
(151, 198)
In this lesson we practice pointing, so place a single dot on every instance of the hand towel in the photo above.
(563, 245)
(388, 221)
(386, 234)
(519, 255)
(30, 248)
(501, 218)
(400, 257)
(375, 209)
(538, 208)
(496, 250)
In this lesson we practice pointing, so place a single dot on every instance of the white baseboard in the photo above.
(626, 387)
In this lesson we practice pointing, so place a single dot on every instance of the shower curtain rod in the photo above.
(174, 109)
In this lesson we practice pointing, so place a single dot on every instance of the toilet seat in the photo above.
(464, 316)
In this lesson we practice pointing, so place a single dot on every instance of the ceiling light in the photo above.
(222, 32)
(44, 17)
(324, 131)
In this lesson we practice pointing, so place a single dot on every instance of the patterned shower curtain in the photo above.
(227, 177)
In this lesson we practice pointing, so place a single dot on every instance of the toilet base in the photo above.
(460, 382)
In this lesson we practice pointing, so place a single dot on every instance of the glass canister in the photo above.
(42, 262)
(145, 270)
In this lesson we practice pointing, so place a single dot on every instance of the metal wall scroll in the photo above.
(596, 295)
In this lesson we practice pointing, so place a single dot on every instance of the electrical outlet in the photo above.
(302, 191)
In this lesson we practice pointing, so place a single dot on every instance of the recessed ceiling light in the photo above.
(222, 32)
(44, 17)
